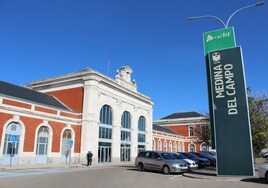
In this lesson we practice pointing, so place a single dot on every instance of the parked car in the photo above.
(264, 154)
(263, 171)
(202, 162)
(211, 159)
(211, 153)
(191, 163)
(165, 162)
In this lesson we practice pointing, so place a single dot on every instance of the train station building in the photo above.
(60, 119)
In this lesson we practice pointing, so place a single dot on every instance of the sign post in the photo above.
(70, 143)
(14, 139)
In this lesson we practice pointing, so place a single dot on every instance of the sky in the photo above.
(43, 39)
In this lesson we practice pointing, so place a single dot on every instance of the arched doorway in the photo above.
(65, 147)
(11, 144)
(42, 145)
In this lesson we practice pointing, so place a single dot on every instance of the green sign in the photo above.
(230, 113)
(219, 39)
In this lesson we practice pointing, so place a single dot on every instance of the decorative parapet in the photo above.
(123, 78)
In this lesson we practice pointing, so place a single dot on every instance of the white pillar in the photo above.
(90, 120)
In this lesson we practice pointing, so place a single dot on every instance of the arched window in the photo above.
(179, 147)
(11, 144)
(42, 141)
(65, 149)
(125, 137)
(159, 145)
(106, 115)
(141, 134)
(192, 148)
(203, 147)
(105, 134)
(126, 127)
(174, 147)
(170, 146)
(165, 145)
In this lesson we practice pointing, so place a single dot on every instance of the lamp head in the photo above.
(259, 3)
(192, 17)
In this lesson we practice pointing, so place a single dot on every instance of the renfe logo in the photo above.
(223, 35)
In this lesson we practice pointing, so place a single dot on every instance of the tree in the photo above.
(202, 130)
(258, 112)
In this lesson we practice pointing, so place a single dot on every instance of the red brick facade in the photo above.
(73, 98)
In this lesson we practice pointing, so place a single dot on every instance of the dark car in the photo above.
(165, 162)
(264, 154)
(211, 153)
(191, 163)
(211, 159)
(202, 162)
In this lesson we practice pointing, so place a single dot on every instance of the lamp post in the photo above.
(226, 24)
(228, 111)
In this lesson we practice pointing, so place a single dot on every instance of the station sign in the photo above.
(219, 39)
(216, 40)
(230, 113)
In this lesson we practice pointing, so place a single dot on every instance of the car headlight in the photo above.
(176, 165)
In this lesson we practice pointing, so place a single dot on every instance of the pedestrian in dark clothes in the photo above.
(89, 158)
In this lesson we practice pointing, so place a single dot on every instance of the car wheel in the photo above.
(166, 170)
(141, 167)
(266, 176)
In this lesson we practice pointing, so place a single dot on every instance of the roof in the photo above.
(163, 129)
(19, 92)
(180, 115)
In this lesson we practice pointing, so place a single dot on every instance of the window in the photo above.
(159, 146)
(141, 130)
(156, 156)
(12, 137)
(179, 147)
(67, 135)
(105, 134)
(106, 119)
(126, 120)
(165, 145)
(191, 131)
(42, 141)
(203, 147)
(170, 146)
(141, 124)
(126, 127)
(106, 116)
(174, 147)
(192, 148)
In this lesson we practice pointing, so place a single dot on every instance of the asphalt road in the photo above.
(120, 177)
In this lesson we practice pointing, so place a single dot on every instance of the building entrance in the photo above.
(125, 153)
(104, 153)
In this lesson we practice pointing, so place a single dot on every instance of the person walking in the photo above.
(89, 158)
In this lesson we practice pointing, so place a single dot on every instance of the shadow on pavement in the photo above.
(255, 180)
(199, 174)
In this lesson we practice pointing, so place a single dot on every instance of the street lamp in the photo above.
(226, 24)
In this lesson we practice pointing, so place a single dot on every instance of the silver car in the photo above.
(263, 171)
(165, 162)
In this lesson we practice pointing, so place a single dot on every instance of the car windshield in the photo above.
(179, 156)
(168, 156)
(190, 155)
